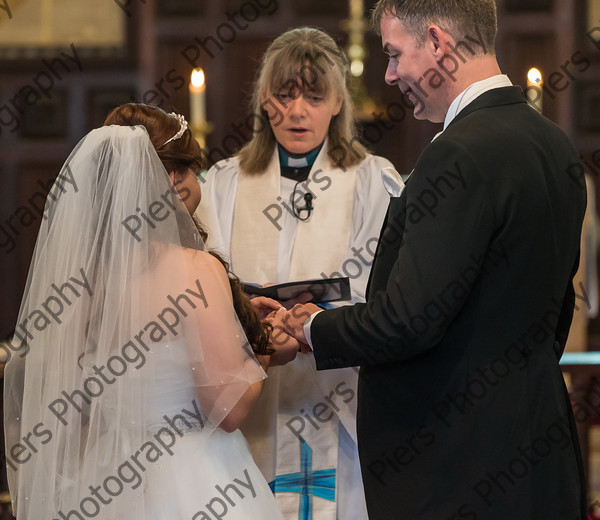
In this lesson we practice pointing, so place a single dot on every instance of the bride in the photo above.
(138, 355)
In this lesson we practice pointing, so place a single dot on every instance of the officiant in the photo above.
(291, 206)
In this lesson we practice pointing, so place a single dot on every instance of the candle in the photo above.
(197, 98)
(535, 86)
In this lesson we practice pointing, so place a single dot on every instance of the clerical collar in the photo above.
(285, 159)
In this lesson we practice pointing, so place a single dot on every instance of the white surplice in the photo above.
(304, 422)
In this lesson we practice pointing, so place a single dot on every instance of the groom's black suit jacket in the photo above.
(462, 408)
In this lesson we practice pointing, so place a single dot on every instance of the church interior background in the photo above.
(65, 64)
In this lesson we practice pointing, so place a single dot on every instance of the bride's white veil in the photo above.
(118, 275)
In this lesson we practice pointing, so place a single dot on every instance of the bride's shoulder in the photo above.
(188, 267)
(202, 260)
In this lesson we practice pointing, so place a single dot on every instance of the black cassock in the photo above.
(463, 412)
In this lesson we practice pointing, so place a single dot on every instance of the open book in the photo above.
(323, 289)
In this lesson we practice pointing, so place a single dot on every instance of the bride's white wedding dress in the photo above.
(211, 473)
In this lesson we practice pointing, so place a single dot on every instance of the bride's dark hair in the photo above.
(178, 155)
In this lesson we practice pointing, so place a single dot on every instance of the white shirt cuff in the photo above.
(306, 328)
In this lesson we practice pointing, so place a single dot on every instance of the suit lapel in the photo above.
(390, 240)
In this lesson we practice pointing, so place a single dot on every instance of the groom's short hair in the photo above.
(459, 18)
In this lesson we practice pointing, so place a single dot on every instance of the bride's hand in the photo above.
(286, 347)
(264, 306)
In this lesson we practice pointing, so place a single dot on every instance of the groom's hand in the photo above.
(295, 319)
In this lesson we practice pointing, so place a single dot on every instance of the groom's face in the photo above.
(408, 66)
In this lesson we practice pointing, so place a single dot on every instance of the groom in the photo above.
(463, 413)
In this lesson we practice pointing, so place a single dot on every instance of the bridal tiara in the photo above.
(183, 128)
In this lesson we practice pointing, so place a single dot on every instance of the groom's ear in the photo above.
(172, 176)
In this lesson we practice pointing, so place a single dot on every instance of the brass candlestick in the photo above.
(356, 26)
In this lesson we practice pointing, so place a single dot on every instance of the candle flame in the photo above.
(198, 78)
(534, 76)
(356, 68)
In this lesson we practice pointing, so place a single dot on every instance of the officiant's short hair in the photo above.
(460, 18)
(312, 60)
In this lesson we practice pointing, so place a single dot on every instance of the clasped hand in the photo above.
(287, 338)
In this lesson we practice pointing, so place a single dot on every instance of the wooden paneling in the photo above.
(169, 8)
(588, 108)
(519, 6)
(47, 119)
(19, 224)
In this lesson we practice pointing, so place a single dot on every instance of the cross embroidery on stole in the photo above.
(307, 483)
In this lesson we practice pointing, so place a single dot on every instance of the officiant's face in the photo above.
(303, 119)
(406, 69)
